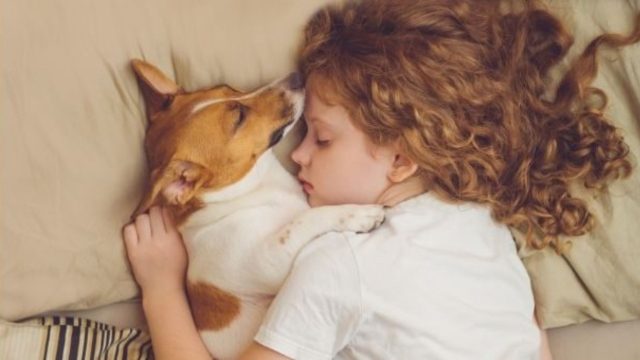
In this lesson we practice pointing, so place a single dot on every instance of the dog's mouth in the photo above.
(277, 135)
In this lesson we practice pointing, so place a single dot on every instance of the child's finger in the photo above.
(157, 223)
(143, 227)
(169, 224)
(130, 236)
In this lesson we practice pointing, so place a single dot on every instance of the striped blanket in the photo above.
(71, 338)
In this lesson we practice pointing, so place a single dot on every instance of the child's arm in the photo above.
(173, 332)
(175, 337)
(159, 262)
(545, 352)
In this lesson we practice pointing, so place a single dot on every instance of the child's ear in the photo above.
(402, 168)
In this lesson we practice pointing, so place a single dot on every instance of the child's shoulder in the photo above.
(464, 228)
(331, 251)
(427, 210)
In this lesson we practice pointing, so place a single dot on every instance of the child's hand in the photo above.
(156, 252)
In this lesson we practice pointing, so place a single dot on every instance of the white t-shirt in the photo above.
(434, 281)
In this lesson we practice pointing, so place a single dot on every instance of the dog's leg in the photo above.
(272, 260)
(320, 220)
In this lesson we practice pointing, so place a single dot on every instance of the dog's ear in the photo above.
(157, 89)
(175, 184)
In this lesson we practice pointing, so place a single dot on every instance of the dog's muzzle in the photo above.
(277, 135)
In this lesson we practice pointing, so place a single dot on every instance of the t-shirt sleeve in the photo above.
(318, 309)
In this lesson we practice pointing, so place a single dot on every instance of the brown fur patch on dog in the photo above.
(213, 308)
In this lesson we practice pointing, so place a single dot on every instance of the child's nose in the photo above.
(300, 155)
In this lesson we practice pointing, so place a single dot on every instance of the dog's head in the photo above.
(208, 139)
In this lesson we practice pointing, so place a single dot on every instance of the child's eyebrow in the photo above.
(318, 120)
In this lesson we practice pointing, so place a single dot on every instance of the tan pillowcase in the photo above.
(600, 277)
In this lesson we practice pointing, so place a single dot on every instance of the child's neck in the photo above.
(398, 192)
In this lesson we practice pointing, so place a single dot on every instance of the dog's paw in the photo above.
(360, 218)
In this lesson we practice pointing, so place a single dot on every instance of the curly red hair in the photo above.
(461, 86)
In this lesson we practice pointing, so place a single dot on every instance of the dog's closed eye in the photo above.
(241, 114)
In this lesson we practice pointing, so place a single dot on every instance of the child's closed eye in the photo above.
(323, 142)
(321, 136)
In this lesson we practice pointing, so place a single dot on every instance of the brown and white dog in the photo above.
(243, 217)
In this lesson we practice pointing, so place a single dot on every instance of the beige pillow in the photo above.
(600, 277)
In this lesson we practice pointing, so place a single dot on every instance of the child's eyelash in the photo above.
(322, 142)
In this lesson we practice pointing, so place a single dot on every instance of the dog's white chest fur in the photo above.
(222, 237)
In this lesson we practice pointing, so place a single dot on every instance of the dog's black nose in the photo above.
(294, 81)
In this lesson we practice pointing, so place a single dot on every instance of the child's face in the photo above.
(338, 164)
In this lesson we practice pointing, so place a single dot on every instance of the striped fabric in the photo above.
(71, 338)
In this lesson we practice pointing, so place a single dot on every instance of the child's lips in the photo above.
(306, 186)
